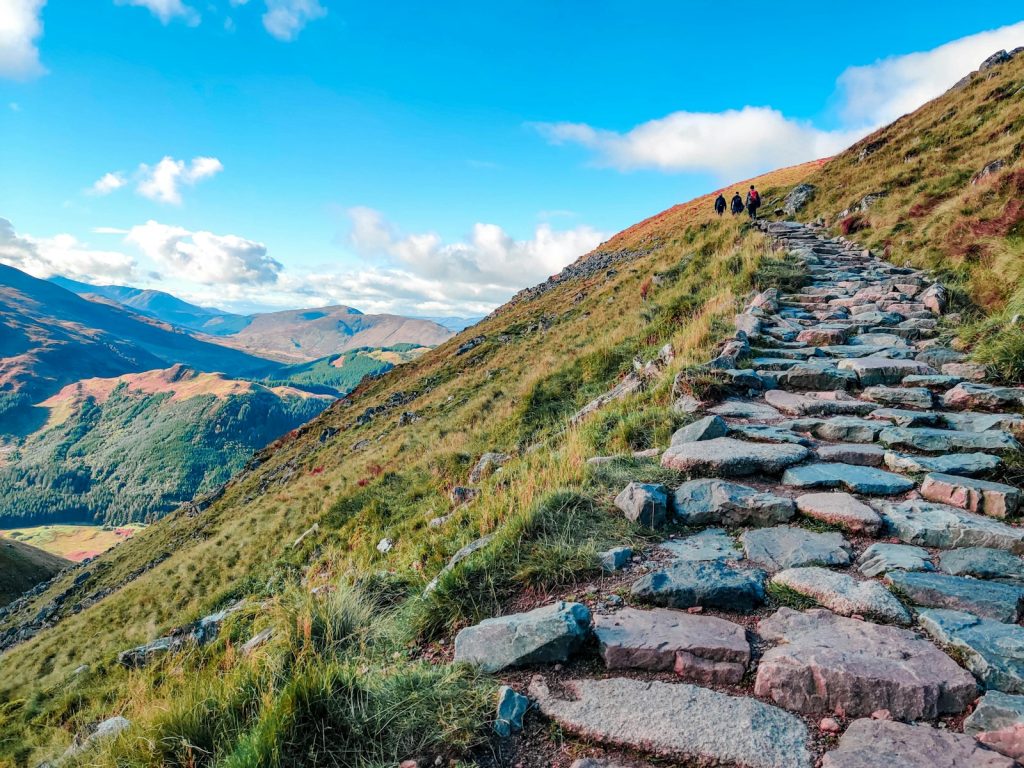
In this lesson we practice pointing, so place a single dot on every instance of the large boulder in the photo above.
(798, 197)
(826, 663)
(695, 724)
(547, 634)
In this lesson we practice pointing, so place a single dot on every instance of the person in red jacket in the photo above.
(753, 202)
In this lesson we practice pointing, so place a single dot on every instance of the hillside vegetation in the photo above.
(23, 566)
(349, 677)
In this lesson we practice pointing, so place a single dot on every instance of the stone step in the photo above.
(817, 403)
(963, 464)
(947, 440)
(728, 457)
(988, 599)
(929, 524)
(677, 720)
(708, 584)
(992, 650)
(717, 502)
(881, 557)
(869, 743)
(786, 547)
(843, 594)
(981, 496)
(856, 479)
(842, 510)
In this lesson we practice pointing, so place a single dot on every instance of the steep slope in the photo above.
(133, 447)
(384, 463)
(50, 337)
(303, 335)
(161, 306)
(23, 567)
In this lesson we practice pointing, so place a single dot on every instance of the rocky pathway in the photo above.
(848, 484)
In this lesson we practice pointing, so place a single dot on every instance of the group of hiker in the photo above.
(737, 205)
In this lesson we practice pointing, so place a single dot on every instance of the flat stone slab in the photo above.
(702, 649)
(826, 663)
(872, 371)
(867, 480)
(767, 434)
(972, 421)
(936, 382)
(709, 544)
(995, 710)
(928, 524)
(728, 457)
(900, 397)
(816, 376)
(946, 440)
(785, 547)
(677, 720)
(842, 510)
(843, 594)
(816, 403)
(981, 496)
(876, 743)
(989, 599)
(880, 558)
(710, 584)
(982, 563)
(717, 502)
(983, 397)
(547, 634)
(992, 650)
(859, 454)
(744, 409)
(965, 464)
(903, 417)
(707, 428)
(848, 429)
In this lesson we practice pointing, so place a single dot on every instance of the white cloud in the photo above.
(284, 19)
(108, 183)
(20, 26)
(754, 139)
(166, 10)
(163, 181)
(61, 255)
(879, 93)
(203, 257)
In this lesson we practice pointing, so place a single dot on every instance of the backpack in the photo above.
(755, 197)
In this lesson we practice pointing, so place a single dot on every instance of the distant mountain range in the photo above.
(118, 404)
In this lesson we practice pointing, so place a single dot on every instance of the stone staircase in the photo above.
(852, 588)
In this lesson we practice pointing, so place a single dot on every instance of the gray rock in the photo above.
(989, 599)
(874, 743)
(900, 397)
(935, 297)
(107, 730)
(880, 558)
(816, 376)
(547, 634)
(982, 563)
(785, 547)
(709, 544)
(872, 371)
(859, 454)
(615, 559)
(992, 650)
(969, 371)
(827, 663)
(728, 457)
(902, 417)
(928, 524)
(868, 480)
(711, 584)
(816, 403)
(995, 710)
(848, 429)
(257, 640)
(707, 502)
(707, 428)
(798, 197)
(934, 382)
(744, 409)
(702, 649)
(842, 510)
(487, 463)
(981, 496)
(984, 397)
(947, 440)
(644, 503)
(972, 421)
(843, 594)
(678, 719)
(511, 708)
(966, 464)
(458, 557)
(938, 356)
(767, 434)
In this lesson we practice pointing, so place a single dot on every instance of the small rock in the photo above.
(644, 503)
(880, 558)
(510, 711)
(829, 725)
(615, 559)
(385, 545)
(707, 428)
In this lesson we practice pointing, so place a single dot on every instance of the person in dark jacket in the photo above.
(737, 204)
(753, 202)
(720, 204)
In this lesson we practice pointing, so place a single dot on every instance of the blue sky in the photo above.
(420, 158)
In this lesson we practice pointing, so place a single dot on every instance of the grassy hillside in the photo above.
(23, 566)
(134, 447)
(349, 678)
(73, 542)
(340, 374)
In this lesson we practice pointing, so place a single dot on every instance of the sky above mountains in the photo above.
(422, 159)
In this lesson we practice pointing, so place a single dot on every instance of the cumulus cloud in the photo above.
(162, 182)
(284, 19)
(166, 10)
(756, 138)
(204, 257)
(20, 26)
(61, 255)
(108, 183)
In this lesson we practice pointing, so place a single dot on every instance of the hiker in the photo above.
(737, 204)
(753, 202)
(720, 204)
